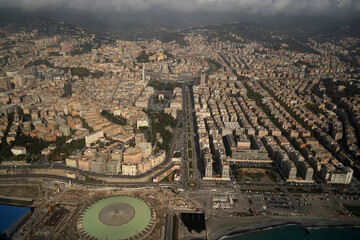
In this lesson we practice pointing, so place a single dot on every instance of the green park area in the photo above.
(63, 149)
(256, 177)
(160, 124)
(264, 175)
(161, 85)
(332, 89)
(270, 174)
(169, 178)
(143, 57)
(157, 85)
(238, 173)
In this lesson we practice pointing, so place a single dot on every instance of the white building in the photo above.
(142, 122)
(93, 137)
(71, 161)
(129, 169)
(18, 150)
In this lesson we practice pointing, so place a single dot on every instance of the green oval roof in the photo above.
(94, 227)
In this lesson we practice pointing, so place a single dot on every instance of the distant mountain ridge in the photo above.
(174, 25)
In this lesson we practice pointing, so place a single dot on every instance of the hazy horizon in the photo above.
(256, 7)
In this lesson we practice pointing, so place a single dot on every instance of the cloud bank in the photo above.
(261, 7)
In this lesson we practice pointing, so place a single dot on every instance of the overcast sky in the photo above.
(262, 7)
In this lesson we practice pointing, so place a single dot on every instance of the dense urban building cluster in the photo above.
(87, 101)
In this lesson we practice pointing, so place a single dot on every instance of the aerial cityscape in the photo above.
(179, 120)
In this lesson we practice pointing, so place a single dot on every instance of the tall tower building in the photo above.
(208, 170)
(34, 71)
(202, 79)
(143, 72)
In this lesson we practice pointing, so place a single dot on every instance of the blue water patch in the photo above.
(10, 214)
(296, 232)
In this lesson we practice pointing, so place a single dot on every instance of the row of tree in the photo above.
(114, 119)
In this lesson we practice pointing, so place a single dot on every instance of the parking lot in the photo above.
(270, 202)
(267, 202)
(277, 201)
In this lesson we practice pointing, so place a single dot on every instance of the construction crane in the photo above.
(49, 205)
(27, 233)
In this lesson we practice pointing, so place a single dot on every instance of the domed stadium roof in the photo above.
(120, 217)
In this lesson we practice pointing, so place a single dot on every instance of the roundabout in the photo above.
(192, 184)
(120, 217)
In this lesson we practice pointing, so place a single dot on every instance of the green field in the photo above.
(256, 177)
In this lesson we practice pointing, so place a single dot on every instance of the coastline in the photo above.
(223, 228)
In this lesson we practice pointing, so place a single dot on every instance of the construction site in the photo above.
(58, 209)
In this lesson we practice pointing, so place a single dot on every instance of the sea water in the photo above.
(297, 232)
(10, 214)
